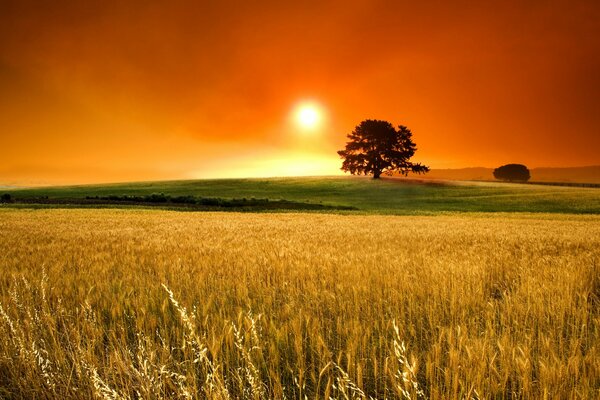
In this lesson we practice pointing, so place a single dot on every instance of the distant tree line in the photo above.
(215, 202)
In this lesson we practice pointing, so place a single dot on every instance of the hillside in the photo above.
(385, 196)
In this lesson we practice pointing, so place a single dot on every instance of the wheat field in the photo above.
(139, 304)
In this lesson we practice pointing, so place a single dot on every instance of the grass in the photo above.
(386, 196)
(127, 304)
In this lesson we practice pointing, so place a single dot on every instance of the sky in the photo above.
(106, 91)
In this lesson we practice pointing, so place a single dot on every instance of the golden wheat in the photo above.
(117, 304)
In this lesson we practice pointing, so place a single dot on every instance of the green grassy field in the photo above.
(386, 196)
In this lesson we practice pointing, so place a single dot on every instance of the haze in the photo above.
(100, 91)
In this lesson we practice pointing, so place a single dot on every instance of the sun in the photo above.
(308, 115)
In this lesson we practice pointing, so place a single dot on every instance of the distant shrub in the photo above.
(157, 198)
(512, 173)
(208, 201)
(184, 199)
(5, 198)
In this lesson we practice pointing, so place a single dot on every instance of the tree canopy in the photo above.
(376, 147)
(512, 172)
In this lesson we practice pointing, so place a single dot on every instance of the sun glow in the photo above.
(273, 165)
(308, 115)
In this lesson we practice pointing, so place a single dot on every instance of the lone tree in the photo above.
(512, 173)
(375, 147)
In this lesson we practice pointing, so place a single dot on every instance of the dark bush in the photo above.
(208, 201)
(512, 173)
(184, 199)
(157, 198)
(5, 198)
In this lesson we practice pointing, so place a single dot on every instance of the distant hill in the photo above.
(459, 174)
(574, 174)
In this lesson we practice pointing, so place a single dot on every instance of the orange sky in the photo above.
(96, 91)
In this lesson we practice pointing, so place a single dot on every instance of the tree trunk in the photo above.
(376, 174)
